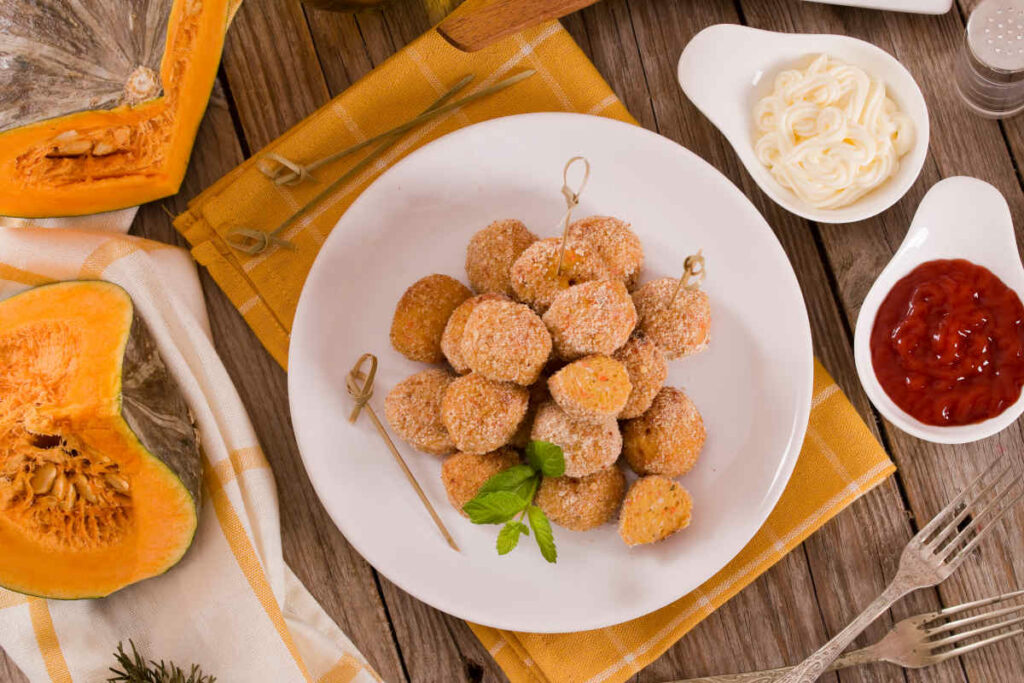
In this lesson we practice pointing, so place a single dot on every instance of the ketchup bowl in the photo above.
(962, 233)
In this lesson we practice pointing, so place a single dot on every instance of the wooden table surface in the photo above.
(282, 61)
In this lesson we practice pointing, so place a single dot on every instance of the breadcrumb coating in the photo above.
(595, 317)
(587, 446)
(681, 329)
(591, 388)
(464, 473)
(421, 315)
(413, 409)
(585, 503)
(491, 253)
(647, 369)
(506, 342)
(668, 438)
(536, 278)
(615, 242)
(481, 415)
(451, 340)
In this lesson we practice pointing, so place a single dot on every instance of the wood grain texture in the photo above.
(491, 20)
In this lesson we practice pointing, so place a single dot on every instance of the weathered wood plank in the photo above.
(9, 673)
(960, 144)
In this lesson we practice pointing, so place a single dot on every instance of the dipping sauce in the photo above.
(948, 344)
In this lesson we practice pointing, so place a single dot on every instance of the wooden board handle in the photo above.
(477, 26)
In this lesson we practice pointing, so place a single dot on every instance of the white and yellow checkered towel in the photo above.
(232, 605)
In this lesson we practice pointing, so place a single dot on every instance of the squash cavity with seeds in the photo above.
(99, 458)
(100, 101)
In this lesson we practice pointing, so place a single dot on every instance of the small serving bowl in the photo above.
(959, 218)
(725, 69)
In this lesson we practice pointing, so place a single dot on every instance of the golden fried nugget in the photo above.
(464, 473)
(615, 242)
(595, 317)
(539, 395)
(422, 314)
(585, 503)
(655, 508)
(481, 415)
(587, 446)
(668, 438)
(491, 253)
(647, 369)
(506, 342)
(591, 388)
(413, 409)
(681, 329)
(536, 278)
(451, 340)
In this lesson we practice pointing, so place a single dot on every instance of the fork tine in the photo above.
(954, 557)
(960, 623)
(957, 637)
(964, 649)
(951, 526)
(941, 519)
(977, 604)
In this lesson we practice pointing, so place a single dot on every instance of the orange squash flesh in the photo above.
(134, 153)
(83, 389)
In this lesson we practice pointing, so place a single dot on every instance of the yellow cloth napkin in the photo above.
(840, 459)
(231, 605)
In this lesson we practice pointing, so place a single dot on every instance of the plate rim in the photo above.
(788, 459)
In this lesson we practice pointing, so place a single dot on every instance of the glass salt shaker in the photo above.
(990, 68)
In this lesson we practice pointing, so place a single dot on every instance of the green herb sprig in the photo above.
(135, 669)
(507, 498)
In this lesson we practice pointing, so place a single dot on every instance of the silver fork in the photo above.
(931, 556)
(918, 641)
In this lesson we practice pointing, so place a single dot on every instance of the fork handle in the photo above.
(865, 655)
(815, 665)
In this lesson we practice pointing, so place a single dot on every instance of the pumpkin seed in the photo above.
(60, 485)
(103, 148)
(84, 489)
(74, 148)
(43, 478)
(118, 483)
(69, 500)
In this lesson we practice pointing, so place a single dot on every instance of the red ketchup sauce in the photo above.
(948, 343)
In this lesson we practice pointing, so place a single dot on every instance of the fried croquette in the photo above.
(481, 414)
(413, 409)
(585, 503)
(647, 369)
(586, 446)
(421, 316)
(464, 473)
(594, 317)
(506, 342)
(539, 395)
(615, 242)
(668, 438)
(655, 508)
(451, 340)
(591, 388)
(491, 253)
(536, 278)
(681, 329)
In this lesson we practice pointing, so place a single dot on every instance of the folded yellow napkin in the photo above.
(840, 459)
(231, 605)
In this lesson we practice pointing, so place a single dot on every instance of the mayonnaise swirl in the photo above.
(829, 133)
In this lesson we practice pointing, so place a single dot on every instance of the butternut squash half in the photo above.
(99, 459)
(100, 101)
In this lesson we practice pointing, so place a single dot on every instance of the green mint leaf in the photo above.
(542, 533)
(546, 457)
(508, 537)
(496, 507)
(508, 480)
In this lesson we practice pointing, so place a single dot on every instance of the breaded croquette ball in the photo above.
(413, 409)
(422, 314)
(647, 369)
(491, 253)
(585, 503)
(464, 473)
(536, 278)
(595, 317)
(591, 388)
(668, 438)
(481, 414)
(587, 446)
(654, 509)
(506, 342)
(615, 242)
(451, 340)
(681, 329)
(539, 395)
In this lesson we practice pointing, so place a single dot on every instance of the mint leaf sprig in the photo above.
(507, 498)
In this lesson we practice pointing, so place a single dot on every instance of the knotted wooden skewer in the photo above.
(693, 275)
(572, 200)
(361, 393)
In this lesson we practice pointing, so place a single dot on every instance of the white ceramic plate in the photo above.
(753, 385)
(913, 6)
